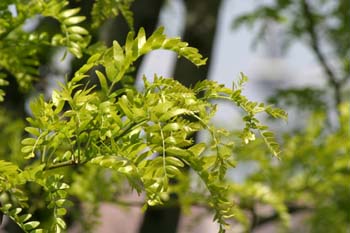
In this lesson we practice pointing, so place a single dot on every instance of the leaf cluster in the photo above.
(116, 134)
(27, 45)
(314, 173)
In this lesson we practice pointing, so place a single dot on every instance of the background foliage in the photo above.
(312, 176)
(95, 137)
(98, 125)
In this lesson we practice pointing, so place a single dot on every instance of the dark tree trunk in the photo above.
(160, 220)
(199, 33)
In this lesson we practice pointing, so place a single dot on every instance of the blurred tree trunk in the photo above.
(199, 32)
(146, 14)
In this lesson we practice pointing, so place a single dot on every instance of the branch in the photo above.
(292, 209)
(129, 128)
(315, 44)
(72, 162)
(168, 204)
(62, 164)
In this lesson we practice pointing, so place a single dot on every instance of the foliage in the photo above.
(318, 24)
(313, 176)
(314, 172)
(27, 45)
(296, 21)
(112, 131)
(105, 9)
(310, 99)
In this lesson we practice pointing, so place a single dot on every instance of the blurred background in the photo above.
(296, 54)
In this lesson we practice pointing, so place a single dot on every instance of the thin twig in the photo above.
(167, 204)
(261, 220)
(315, 45)
(60, 165)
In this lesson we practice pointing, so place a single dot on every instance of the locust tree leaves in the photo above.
(213, 90)
(105, 9)
(20, 49)
(23, 220)
(112, 130)
(143, 136)
(11, 179)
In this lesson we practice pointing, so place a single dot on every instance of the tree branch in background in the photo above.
(259, 221)
(315, 45)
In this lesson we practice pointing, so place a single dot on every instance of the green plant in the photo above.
(109, 129)
(312, 178)
(313, 174)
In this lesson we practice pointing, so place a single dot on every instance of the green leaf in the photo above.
(30, 155)
(62, 202)
(141, 38)
(61, 223)
(61, 211)
(174, 113)
(76, 37)
(69, 12)
(112, 72)
(15, 211)
(126, 169)
(103, 81)
(172, 127)
(27, 149)
(177, 151)
(38, 231)
(174, 161)
(74, 20)
(123, 104)
(29, 141)
(24, 217)
(118, 54)
(197, 149)
(31, 225)
(78, 30)
(172, 170)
